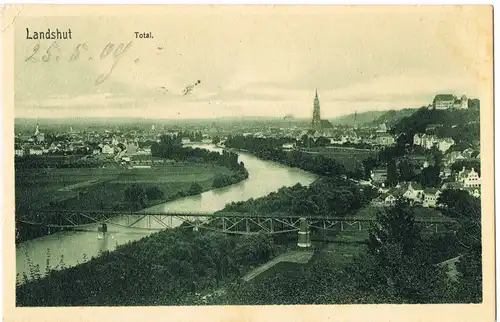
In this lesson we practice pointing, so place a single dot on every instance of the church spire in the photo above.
(316, 119)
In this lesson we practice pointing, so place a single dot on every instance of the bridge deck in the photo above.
(110, 214)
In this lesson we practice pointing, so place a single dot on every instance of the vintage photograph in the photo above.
(274, 155)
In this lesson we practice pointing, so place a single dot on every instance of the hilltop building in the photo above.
(446, 101)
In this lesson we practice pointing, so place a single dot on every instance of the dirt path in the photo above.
(295, 256)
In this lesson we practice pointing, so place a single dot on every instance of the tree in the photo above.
(136, 196)
(369, 164)
(195, 189)
(467, 211)
(398, 269)
(430, 176)
(153, 193)
(395, 225)
(406, 170)
(392, 173)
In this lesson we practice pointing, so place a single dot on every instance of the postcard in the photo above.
(237, 163)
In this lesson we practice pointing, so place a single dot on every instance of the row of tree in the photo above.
(137, 196)
(270, 149)
(325, 196)
(171, 148)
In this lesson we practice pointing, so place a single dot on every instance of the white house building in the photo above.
(431, 196)
(107, 149)
(36, 150)
(445, 144)
(469, 179)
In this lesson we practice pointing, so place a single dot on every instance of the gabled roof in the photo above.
(416, 186)
(396, 192)
(444, 97)
(452, 185)
(431, 191)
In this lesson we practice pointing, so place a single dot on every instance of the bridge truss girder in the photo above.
(231, 224)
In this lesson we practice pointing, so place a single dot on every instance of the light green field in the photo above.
(104, 188)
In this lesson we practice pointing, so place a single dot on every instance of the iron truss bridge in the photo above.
(234, 223)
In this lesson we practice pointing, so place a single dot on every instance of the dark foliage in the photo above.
(166, 268)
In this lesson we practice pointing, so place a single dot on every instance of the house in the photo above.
(379, 176)
(425, 140)
(446, 172)
(131, 149)
(475, 192)
(462, 103)
(453, 157)
(452, 185)
(389, 200)
(19, 152)
(186, 140)
(382, 128)
(443, 101)
(386, 140)
(445, 144)
(467, 153)
(36, 150)
(107, 149)
(414, 191)
(432, 127)
(288, 146)
(431, 196)
(40, 137)
(469, 178)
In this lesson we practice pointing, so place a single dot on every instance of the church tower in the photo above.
(316, 120)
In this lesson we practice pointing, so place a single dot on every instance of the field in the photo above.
(350, 158)
(104, 188)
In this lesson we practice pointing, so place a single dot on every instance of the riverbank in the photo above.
(264, 178)
(166, 268)
(114, 189)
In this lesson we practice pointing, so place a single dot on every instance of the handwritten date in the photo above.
(80, 51)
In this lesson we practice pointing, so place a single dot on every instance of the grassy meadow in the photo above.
(104, 188)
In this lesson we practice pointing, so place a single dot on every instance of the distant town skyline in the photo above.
(269, 66)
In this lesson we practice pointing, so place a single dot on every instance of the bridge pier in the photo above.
(304, 234)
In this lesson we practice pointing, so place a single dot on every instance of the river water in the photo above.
(264, 178)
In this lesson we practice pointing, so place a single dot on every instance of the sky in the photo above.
(260, 61)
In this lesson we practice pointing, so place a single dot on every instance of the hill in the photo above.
(374, 117)
(461, 125)
(392, 117)
(361, 119)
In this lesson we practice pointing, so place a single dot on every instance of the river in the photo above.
(264, 178)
